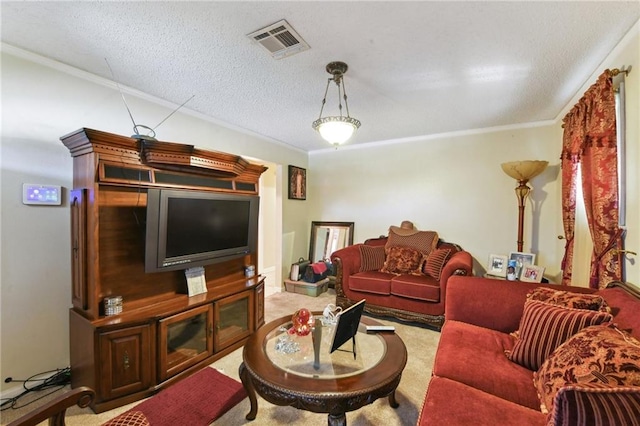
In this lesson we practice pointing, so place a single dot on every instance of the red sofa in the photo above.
(417, 297)
(473, 381)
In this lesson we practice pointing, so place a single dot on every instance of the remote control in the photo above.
(380, 328)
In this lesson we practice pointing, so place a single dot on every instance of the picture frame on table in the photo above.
(497, 265)
(523, 258)
(297, 183)
(532, 274)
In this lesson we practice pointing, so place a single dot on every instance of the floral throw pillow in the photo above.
(592, 302)
(544, 327)
(403, 260)
(371, 258)
(600, 354)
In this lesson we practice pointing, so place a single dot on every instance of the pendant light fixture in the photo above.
(336, 129)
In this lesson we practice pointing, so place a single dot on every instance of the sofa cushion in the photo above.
(624, 308)
(435, 262)
(596, 404)
(474, 356)
(424, 241)
(544, 327)
(448, 402)
(371, 257)
(598, 354)
(375, 282)
(421, 287)
(403, 260)
(568, 299)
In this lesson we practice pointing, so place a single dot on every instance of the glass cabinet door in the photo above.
(185, 339)
(234, 319)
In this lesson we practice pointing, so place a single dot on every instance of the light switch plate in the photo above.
(50, 195)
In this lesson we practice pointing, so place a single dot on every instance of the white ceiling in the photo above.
(415, 68)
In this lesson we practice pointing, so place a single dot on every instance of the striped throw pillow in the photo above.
(423, 241)
(436, 261)
(371, 258)
(596, 404)
(544, 327)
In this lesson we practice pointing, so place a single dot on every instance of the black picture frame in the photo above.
(347, 325)
(297, 183)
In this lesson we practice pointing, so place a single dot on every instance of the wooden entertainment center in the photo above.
(162, 334)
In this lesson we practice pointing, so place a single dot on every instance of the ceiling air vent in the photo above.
(280, 39)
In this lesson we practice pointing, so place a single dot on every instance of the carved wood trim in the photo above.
(162, 155)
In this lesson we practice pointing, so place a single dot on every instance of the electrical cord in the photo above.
(58, 380)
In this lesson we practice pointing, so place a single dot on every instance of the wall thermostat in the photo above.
(41, 194)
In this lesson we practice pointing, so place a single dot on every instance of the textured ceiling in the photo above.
(415, 68)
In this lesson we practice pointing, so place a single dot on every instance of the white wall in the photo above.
(41, 101)
(451, 184)
(454, 184)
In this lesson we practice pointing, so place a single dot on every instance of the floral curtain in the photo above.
(589, 140)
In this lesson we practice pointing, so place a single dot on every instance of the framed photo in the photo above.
(297, 183)
(531, 274)
(522, 258)
(497, 265)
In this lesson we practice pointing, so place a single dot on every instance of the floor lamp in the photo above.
(523, 171)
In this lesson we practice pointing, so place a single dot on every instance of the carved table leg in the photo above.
(337, 420)
(392, 400)
(251, 391)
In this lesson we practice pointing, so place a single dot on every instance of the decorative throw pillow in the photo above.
(544, 327)
(435, 262)
(567, 299)
(596, 404)
(129, 418)
(403, 260)
(423, 241)
(371, 258)
(599, 354)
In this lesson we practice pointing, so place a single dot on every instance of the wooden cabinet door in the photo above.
(234, 319)
(184, 339)
(126, 361)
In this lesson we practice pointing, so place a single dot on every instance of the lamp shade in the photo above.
(524, 170)
(336, 130)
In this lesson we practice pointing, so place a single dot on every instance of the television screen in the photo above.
(191, 228)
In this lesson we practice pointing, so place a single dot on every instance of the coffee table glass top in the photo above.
(370, 350)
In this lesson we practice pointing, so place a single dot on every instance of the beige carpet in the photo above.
(420, 342)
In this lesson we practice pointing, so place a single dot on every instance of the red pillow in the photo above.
(403, 260)
(544, 327)
(371, 258)
(436, 261)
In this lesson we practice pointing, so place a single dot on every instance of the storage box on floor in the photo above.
(303, 287)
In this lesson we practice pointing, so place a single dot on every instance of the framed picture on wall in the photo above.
(497, 265)
(297, 183)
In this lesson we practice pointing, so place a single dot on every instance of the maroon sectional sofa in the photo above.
(473, 381)
(407, 297)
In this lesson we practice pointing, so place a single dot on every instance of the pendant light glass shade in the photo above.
(336, 129)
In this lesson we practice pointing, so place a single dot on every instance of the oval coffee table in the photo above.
(340, 383)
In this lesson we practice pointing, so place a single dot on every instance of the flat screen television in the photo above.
(195, 228)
